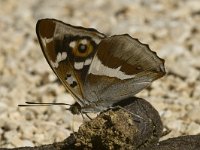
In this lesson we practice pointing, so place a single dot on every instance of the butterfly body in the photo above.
(97, 70)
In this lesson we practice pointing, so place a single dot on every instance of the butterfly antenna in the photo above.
(88, 116)
(41, 104)
(82, 116)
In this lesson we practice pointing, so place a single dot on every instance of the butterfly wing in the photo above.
(122, 67)
(69, 51)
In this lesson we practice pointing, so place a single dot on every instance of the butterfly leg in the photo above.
(166, 131)
(82, 114)
(88, 116)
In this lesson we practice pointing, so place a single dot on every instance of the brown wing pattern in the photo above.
(69, 51)
(120, 70)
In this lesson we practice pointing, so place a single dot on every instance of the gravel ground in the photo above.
(170, 27)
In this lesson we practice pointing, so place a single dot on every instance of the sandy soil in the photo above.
(170, 27)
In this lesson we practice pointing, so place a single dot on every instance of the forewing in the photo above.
(69, 51)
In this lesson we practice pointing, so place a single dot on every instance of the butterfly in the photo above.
(98, 70)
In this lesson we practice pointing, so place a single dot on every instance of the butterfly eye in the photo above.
(82, 48)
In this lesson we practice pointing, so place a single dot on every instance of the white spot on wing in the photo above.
(63, 55)
(88, 61)
(60, 57)
(97, 68)
(70, 80)
(54, 64)
(72, 44)
(84, 41)
(78, 65)
(48, 40)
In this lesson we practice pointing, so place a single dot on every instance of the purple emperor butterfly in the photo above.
(97, 70)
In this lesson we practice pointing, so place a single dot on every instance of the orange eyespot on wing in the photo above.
(81, 48)
(67, 50)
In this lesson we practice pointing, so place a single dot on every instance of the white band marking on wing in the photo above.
(78, 65)
(60, 57)
(97, 68)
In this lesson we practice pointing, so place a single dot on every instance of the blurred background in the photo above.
(171, 28)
